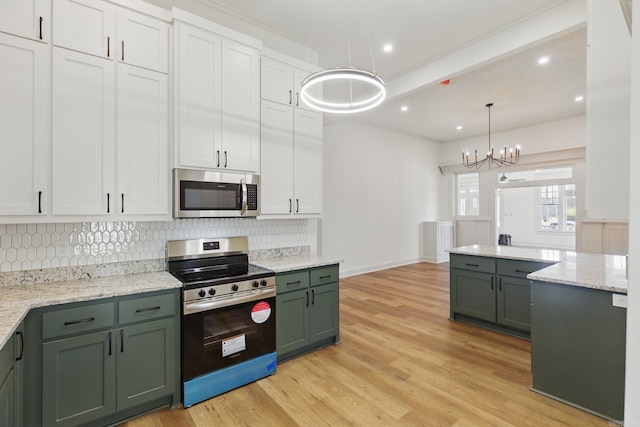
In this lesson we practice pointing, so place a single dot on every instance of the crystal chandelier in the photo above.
(505, 158)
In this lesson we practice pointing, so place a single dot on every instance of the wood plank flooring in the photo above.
(401, 363)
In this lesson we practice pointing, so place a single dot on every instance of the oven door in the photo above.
(200, 194)
(219, 337)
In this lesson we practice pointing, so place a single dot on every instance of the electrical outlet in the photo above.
(620, 300)
(63, 249)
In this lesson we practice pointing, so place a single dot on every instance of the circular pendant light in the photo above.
(350, 75)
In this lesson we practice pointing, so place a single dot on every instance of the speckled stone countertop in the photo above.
(605, 272)
(16, 301)
(291, 263)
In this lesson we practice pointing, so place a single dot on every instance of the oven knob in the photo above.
(234, 287)
(263, 282)
(201, 293)
(255, 284)
(212, 292)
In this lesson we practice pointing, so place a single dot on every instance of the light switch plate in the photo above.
(619, 300)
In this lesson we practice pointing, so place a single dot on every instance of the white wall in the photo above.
(608, 98)
(632, 392)
(379, 187)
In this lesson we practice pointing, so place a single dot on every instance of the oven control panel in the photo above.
(227, 290)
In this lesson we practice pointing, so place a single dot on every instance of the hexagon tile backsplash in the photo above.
(36, 246)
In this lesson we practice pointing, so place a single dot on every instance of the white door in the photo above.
(277, 81)
(143, 168)
(83, 134)
(276, 169)
(143, 41)
(241, 107)
(24, 124)
(307, 155)
(26, 18)
(86, 26)
(198, 98)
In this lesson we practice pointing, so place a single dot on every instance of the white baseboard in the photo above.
(436, 260)
(371, 269)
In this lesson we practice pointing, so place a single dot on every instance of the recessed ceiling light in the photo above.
(579, 98)
(388, 47)
(543, 60)
(404, 108)
(458, 127)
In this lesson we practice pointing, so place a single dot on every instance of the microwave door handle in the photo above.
(245, 205)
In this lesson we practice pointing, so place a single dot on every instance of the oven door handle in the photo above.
(197, 307)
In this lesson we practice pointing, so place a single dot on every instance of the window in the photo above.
(469, 194)
(557, 207)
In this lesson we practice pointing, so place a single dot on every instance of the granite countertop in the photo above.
(596, 271)
(16, 301)
(291, 263)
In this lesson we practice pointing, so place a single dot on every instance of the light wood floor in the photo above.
(401, 363)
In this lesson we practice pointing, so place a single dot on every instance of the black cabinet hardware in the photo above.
(108, 202)
(75, 322)
(297, 205)
(217, 158)
(121, 341)
(41, 19)
(110, 336)
(293, 283)
(123, 50)
(109, 47)
(290, 96)
(472, 265)
(324, 277)
(39, 201)
(20, 334)
(492, 283)
(144, 310)
(313, 296)
(307, 298)
(297, 99)
(523, 272)
(290, 206)
(500, 284)
(226, 158)
(122, 204)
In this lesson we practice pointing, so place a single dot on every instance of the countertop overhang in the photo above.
(595, 271)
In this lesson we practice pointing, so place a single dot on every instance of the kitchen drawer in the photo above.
(473, 263)
(517, 268)
(323, 275)
(146, 308)
(292, 281)
(77, 320)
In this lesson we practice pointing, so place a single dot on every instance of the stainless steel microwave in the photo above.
(208, 194)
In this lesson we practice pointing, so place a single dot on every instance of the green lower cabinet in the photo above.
(145, 362)
(307, 310)
(78, 379)
(7, 398)
(473, 294)
(11, 380)
(514, 302)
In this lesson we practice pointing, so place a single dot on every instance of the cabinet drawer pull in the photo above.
(75, 322)
(123, 50)
(325, 277)
(122, 204)
(110, 336)
(39, 201)
(290, 96)
(41, 19)
(217, 158)
(293, 283)
(472, 265)
(144, 310)
(313, 296)
(109, 47)
(523, 272)
(500, 284)
(297, 205)
(19, 333)
(492, 283)
(121, 341)
(226, 159)
(297, 99)
(108, 202)
(307, 298)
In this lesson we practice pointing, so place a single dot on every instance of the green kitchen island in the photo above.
(576, 316)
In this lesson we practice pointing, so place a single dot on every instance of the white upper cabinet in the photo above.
(282, 83)
(83, 134)
(144, 41)
(143, 173)
(26, 18)
(87, 26)
(307, 161)
(217, 95)
(198, 97)
(24, 119)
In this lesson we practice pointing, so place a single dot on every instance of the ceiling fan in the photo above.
(504, 178)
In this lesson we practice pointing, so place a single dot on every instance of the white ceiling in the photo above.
(424, 33)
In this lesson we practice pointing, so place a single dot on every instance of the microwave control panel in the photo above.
(252, 197)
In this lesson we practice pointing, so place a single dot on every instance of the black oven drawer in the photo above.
(292, 281)
(147, 308)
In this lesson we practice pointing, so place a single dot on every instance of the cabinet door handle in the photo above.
(123, 50)
(110, 336)
(500, 284)
(19, 333)
(325, 277)
(313, 296)
(523, 272)
(492, 283)
(144, 310)
(472, 265)
(121, 341)
(297, 99)
(307, 298)
(293, 283)
(108, 46)
(290, 206)
(108, 203)
(290, 96)
(39, 201)
(226, 158)
(75, 322)
(297, 205)
(122, 204)
(217, 158)
(41, 19)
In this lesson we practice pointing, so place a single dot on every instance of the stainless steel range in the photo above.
(228, 324)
